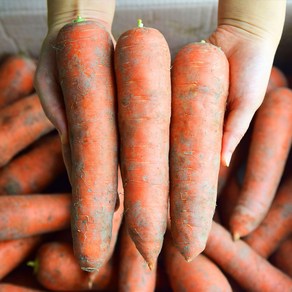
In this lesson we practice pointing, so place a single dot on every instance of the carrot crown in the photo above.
(34, 264)
(78, 19)
(140, 23)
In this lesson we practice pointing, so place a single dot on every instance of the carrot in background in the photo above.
(282, 258)
(240, 261)
(276, 226)
(200, 78)
(134, 274)
(88, 87)
(13, 252)
(200, 275)
(32, 171)
(16, 78)
(21, 123)
(277, 79)
(23, 216)
(271, 141)
(144, 108)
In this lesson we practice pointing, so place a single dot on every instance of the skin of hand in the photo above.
(249, 33)
(46, 80)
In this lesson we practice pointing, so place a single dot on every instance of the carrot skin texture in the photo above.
(7, 287)
(271, 141)
(144, 108)
(134, 274)
(200, 81)
(277, 79)
(85, 66)
(33, 171)
(13, 252)
(24, 216)
(282, 258)
(240, 261)
(277, 224)
(200, 275)
(21, 123)
(16, 79)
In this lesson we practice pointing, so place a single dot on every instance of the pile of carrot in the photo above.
(149, 205)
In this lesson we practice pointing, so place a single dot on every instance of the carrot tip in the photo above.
(236, 236)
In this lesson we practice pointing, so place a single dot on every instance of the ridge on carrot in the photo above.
(85, 67)
(142, 66)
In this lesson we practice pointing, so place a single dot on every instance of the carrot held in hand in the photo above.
(32, 171)
(270, 145)
(200, 275)
(142, 65)
(16, 78)
(84, 61)
(276, 226)
(23, 216)
(249, 269)
(13, 252)
(134, 274)
(21, 123)
(200, 75)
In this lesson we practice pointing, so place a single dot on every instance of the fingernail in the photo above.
(227, 158)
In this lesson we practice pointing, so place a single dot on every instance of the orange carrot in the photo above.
(23, 216)
(144, 101)
(271, 141)
(227, 200)
(16, 78)
(134, 274)
(282, 258)
(248, 268)
(200, 275)
(7, 287)
(33, 171)
(13, 252)
(199, 90)
(21, 123)
(277, 79)
(84, 60)
(277, 224)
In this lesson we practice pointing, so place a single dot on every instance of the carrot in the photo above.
(227, 200)
(277, 79)
(277, 224)
(248, 268)
(144, 108)
(271, 141)
(199, 91)
(21, 123)
(84, 60)
(13, 252)
(16, 78)
(134, 274)
(23, 216)
(33, 171)
(200, 275)
(282, 258)
(7, 287)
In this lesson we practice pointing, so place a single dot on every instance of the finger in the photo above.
(249, 75)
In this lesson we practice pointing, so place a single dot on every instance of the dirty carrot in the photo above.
(282, 258)
(240, 261)
(134, 274)
(32, 171)
(21, 123)
(277, 224)
(13, 252)
(271, 141)
(277, 79)
(23, 216)
(144, 108)
(85, 65)
(200, 78)
(199, 275)
(16, 78)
